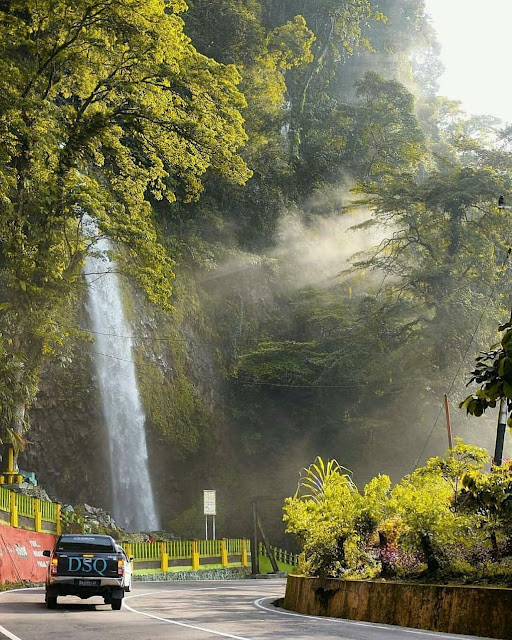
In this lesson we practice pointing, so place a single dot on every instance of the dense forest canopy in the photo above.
(329, 222)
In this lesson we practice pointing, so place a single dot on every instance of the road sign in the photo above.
(209, 503)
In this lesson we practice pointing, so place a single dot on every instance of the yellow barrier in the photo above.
(245, 561)
(14, 506)
(195, 556)
(223, 553)
(38, 525)
(182, 553)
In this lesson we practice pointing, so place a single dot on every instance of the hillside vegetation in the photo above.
(310, 237)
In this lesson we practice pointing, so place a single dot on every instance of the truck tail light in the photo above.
(120, 567)
(53, 566)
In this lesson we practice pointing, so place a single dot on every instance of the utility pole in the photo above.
(448, 421)
(255, 552)
(500, 435)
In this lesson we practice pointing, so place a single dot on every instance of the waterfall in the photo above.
(133, 505)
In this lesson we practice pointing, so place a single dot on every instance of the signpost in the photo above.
(209, 509)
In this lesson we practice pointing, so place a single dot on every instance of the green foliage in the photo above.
(103, 109)
(289, 362)
(324, 519)
(445, 519)
(318, 477)
(129, 116)
(493, 372)
(490, 495)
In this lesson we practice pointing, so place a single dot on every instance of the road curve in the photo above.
(239, 610)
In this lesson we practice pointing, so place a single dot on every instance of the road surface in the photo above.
(238, 610)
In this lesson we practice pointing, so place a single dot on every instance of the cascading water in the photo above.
(133, 505)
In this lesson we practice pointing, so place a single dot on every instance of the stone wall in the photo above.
(235, 573)
(479, 611)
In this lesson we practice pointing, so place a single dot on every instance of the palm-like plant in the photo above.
(316, 479)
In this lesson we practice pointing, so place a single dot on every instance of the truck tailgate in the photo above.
(95, 565)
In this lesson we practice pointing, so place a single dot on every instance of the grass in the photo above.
(266, 566)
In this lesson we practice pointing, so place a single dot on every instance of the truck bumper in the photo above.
(108, 587)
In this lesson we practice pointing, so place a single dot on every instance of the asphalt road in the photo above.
(240, 610)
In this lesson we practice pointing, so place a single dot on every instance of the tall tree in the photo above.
(104, 105)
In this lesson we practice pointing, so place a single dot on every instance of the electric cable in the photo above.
(464, 356)
(256, 383)
(169, 339)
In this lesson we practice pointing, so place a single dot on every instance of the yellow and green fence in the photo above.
(171, 556)
(33, 514)
(281, 555)
(27, 512)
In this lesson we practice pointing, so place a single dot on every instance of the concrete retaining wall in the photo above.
(21, 554)
(478, 611)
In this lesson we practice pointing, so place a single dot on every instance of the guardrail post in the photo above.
(164, 558)
(223, 553)
(245, 561)
(13, 507)
(38, 524)
(58, 523)
(195, 556)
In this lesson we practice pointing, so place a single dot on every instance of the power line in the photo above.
(115, 335)
(257, 383)
(169, 339)
(463, 358)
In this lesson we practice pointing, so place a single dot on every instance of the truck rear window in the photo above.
(99, 544)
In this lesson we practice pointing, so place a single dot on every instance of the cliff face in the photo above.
(67, 439)
(180, 382)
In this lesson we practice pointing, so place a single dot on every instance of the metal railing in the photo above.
(146, 550)
(178, 549)
(48, 510)
(45, 516)
(25, 505)
(168, 555)
(4, 499)
(180, 555)
(281, 555)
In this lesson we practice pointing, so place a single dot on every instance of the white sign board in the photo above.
(209, 503)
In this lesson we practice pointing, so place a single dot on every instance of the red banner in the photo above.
(21, 554)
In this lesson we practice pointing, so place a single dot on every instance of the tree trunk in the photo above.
(387, 567)
(299, 104)
(428, 550)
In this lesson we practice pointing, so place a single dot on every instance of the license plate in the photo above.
(88, 583)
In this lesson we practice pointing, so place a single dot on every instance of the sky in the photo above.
(476, 41)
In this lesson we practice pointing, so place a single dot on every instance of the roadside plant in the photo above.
(432, 523)
(322, 514)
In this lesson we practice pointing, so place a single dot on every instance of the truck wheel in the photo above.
(51, 602)
(116, 603)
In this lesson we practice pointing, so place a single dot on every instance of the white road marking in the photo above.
(3, 630)
(373, 625)
(180, 624)
(10, 635)
(257, 603)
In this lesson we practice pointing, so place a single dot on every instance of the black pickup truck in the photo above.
(85, 566)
